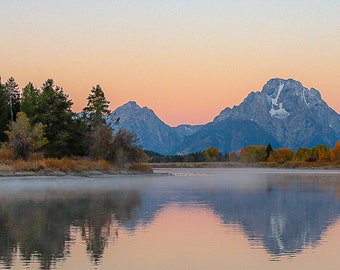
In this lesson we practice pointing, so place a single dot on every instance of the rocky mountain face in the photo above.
(284, 113)
(292, 114)
(153, 133)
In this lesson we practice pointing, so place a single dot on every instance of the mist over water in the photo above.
(175, 219)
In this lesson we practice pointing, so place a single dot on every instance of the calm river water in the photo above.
(188, 219)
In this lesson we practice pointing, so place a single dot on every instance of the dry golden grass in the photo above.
(23, 166)
(5, 167)
(36, 156)
(77, 165)
(140, 167)
(66, 165)
(5, 153)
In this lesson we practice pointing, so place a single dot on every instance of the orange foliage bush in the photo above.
(336, 151)
(281, 155)
(233, 156)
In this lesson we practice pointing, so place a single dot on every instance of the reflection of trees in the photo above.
(41, 228)
(7, 242)
(96, 227)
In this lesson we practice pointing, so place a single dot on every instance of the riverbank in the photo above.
(68, 166)
(91, 173)
(290, 165)
(93, 168)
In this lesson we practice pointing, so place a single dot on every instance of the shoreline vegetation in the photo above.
(93, 168)
(253, 156)
(228, 164)
(68, 166)
(319, 157)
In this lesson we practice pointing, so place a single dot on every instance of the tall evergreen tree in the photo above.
(3, 112)
(97, 108)
(29, 101)
(269, 149)
(94, 116)
(53, 110)
(13, 98)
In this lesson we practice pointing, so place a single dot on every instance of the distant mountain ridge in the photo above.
(284, 113)
(153, 133)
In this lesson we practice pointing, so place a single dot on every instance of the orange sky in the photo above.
(186, 60)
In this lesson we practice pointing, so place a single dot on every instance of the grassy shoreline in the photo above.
(288, 165)
(68, 166)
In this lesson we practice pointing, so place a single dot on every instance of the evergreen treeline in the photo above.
(41, 121)
(210, 154)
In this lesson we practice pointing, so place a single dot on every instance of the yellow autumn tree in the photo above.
(321, 152)
(23, 138)
(211, 154)
(303, 154)
(253, 153)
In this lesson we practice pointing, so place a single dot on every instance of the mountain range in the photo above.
(284, 114)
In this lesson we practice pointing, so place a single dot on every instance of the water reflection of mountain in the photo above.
(285, 221)
(282, 215)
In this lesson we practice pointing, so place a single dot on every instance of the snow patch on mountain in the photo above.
(274, 100)
(277, 110)
(279, 113)
(304, 97)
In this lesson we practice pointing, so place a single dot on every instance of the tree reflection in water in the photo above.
(41, 228)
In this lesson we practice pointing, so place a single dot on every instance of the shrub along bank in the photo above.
(319, 156)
